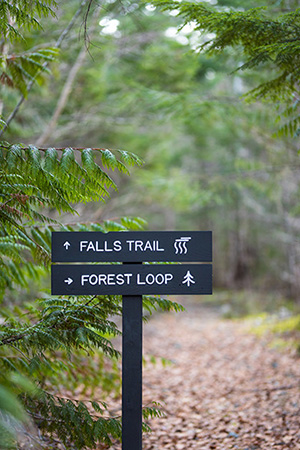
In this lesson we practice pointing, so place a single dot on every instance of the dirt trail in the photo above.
(225, 389)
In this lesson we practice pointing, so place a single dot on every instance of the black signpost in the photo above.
(132, 379)
(132, 279)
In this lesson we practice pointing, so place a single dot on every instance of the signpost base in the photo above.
(132, 331)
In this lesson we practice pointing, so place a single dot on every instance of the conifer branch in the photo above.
(59, 149)
(44, 66)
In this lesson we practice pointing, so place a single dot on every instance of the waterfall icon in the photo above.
(180, 245)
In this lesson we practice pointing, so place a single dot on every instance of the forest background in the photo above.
(136, 77)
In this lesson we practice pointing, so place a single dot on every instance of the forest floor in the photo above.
(224, 387)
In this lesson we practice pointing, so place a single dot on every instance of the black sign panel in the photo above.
(131, 279)
(132, 246)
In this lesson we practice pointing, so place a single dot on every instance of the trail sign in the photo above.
(131, 246)
(129, 279)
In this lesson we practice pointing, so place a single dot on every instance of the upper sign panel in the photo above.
(132, 246)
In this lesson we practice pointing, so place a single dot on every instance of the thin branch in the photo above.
(20, 351)
(59, 149)
(66, 91)
(15, 338)
(88, 302)
(77, 400)
(70, 26)
(86, 38)
(31, 83)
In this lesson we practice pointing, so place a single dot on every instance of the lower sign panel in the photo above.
(129, 279)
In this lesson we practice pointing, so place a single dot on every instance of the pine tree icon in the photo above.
(188, 279)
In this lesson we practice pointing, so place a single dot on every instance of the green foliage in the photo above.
(241, 304)
(47, 341)
(54, 343)
(13, 414)
(262, 40)
(33, 179)
(283, 327)
(11, 409)
(150, 412)
(64, 418)
(211, 164)
(18, 70)
(18, 14)
(155, 410)
(154, 303)
(36, 341)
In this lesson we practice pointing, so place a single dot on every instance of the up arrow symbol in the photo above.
(67, 245)
(69, 281)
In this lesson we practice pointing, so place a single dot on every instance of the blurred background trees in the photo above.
(213, 160)
(137, 77)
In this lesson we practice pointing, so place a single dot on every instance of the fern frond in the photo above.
(18, 70)
(17, 14)
(153, 303)
(150, 412)
(72, 422)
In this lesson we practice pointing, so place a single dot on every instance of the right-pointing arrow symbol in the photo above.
(67, 245)
(69, 281)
